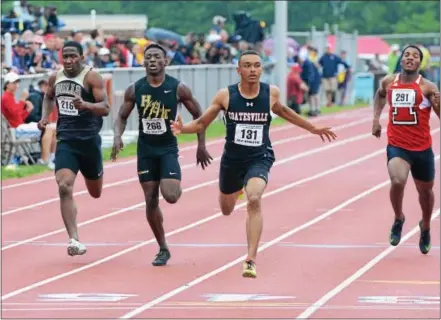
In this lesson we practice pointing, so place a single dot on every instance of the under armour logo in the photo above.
(249, 104)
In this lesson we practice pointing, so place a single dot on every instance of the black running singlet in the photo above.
(156, 107)
(73, 124)
(248, 122)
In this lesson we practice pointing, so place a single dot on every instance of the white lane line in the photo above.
(187, 166)
(265, 246)
(186, 148)
(141, 204)
(343, 285)
(188, 226)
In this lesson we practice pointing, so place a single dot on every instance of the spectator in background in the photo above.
(20, 58)
(425, 63)
(15, 36)
(126, 57)
(343, 78)
(91, 53)
(117, 58)
(314, 88)
(296, 88)
(104, 60)
(219, 28)
(174, 55)
(51, 51)
(36, 96)
(393, 58)
(51, 19)
(213, 55)
(329, 63)
(308, 77)
(39, 61)
(17, 112)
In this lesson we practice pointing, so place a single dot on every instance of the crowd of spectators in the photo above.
(36, 44)
(311, 74)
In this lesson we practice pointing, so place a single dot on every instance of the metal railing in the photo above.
(203, 80)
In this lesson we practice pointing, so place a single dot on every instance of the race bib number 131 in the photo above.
(66, 107)
(249, 135)
(154, 126)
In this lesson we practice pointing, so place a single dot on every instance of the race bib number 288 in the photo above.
(66, 107)
(249, 135)
(403, 104)
(154, 126)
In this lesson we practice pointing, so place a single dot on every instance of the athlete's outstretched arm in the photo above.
(48, 102)
(379, 104)
(121, 120)
(291, 116)
(192, 105)
(201, 123)
(101, 106)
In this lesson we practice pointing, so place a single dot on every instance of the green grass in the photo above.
(215, 130)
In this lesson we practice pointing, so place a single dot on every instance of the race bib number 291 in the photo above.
(403, 104)
(249, 135)
(154, 126)
(66, 107)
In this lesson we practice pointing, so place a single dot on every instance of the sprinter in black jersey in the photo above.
(157, 97)
(81, 100)
(248, 155)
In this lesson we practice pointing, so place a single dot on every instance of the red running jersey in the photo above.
(409, 116)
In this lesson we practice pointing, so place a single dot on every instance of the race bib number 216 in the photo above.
(66, 107)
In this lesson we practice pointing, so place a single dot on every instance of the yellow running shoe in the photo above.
(241, 195)
(249, 269)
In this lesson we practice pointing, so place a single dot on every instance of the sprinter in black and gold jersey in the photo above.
(248, 155)
(157, 97)
(78, 93)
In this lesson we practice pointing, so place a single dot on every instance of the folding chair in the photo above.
(11, 146)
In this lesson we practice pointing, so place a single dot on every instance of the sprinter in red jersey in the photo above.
(410, 98)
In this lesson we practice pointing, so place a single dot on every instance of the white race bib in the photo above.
(66, 107)
(154, 126)
(249, 135)
(403, 98)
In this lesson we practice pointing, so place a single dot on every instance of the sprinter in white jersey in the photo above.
(81, 99)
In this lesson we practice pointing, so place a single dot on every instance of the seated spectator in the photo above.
(20, 58)
(16, 114)
(36, 96)
(126, 57)
(104, 60)
(40, 61)
(175, 56)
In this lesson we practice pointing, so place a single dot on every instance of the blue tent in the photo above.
(156, 34)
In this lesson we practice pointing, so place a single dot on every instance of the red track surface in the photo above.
(299, 267)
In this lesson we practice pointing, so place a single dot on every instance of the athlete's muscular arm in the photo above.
(121, 120)
(186, 97)
(434, 96)
(380, 103)
(188, 100)
(294, 118)
(380, 97)
(48, 102)
(201, 123)
(101, 106)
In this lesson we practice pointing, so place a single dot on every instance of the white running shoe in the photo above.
(76, 248)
